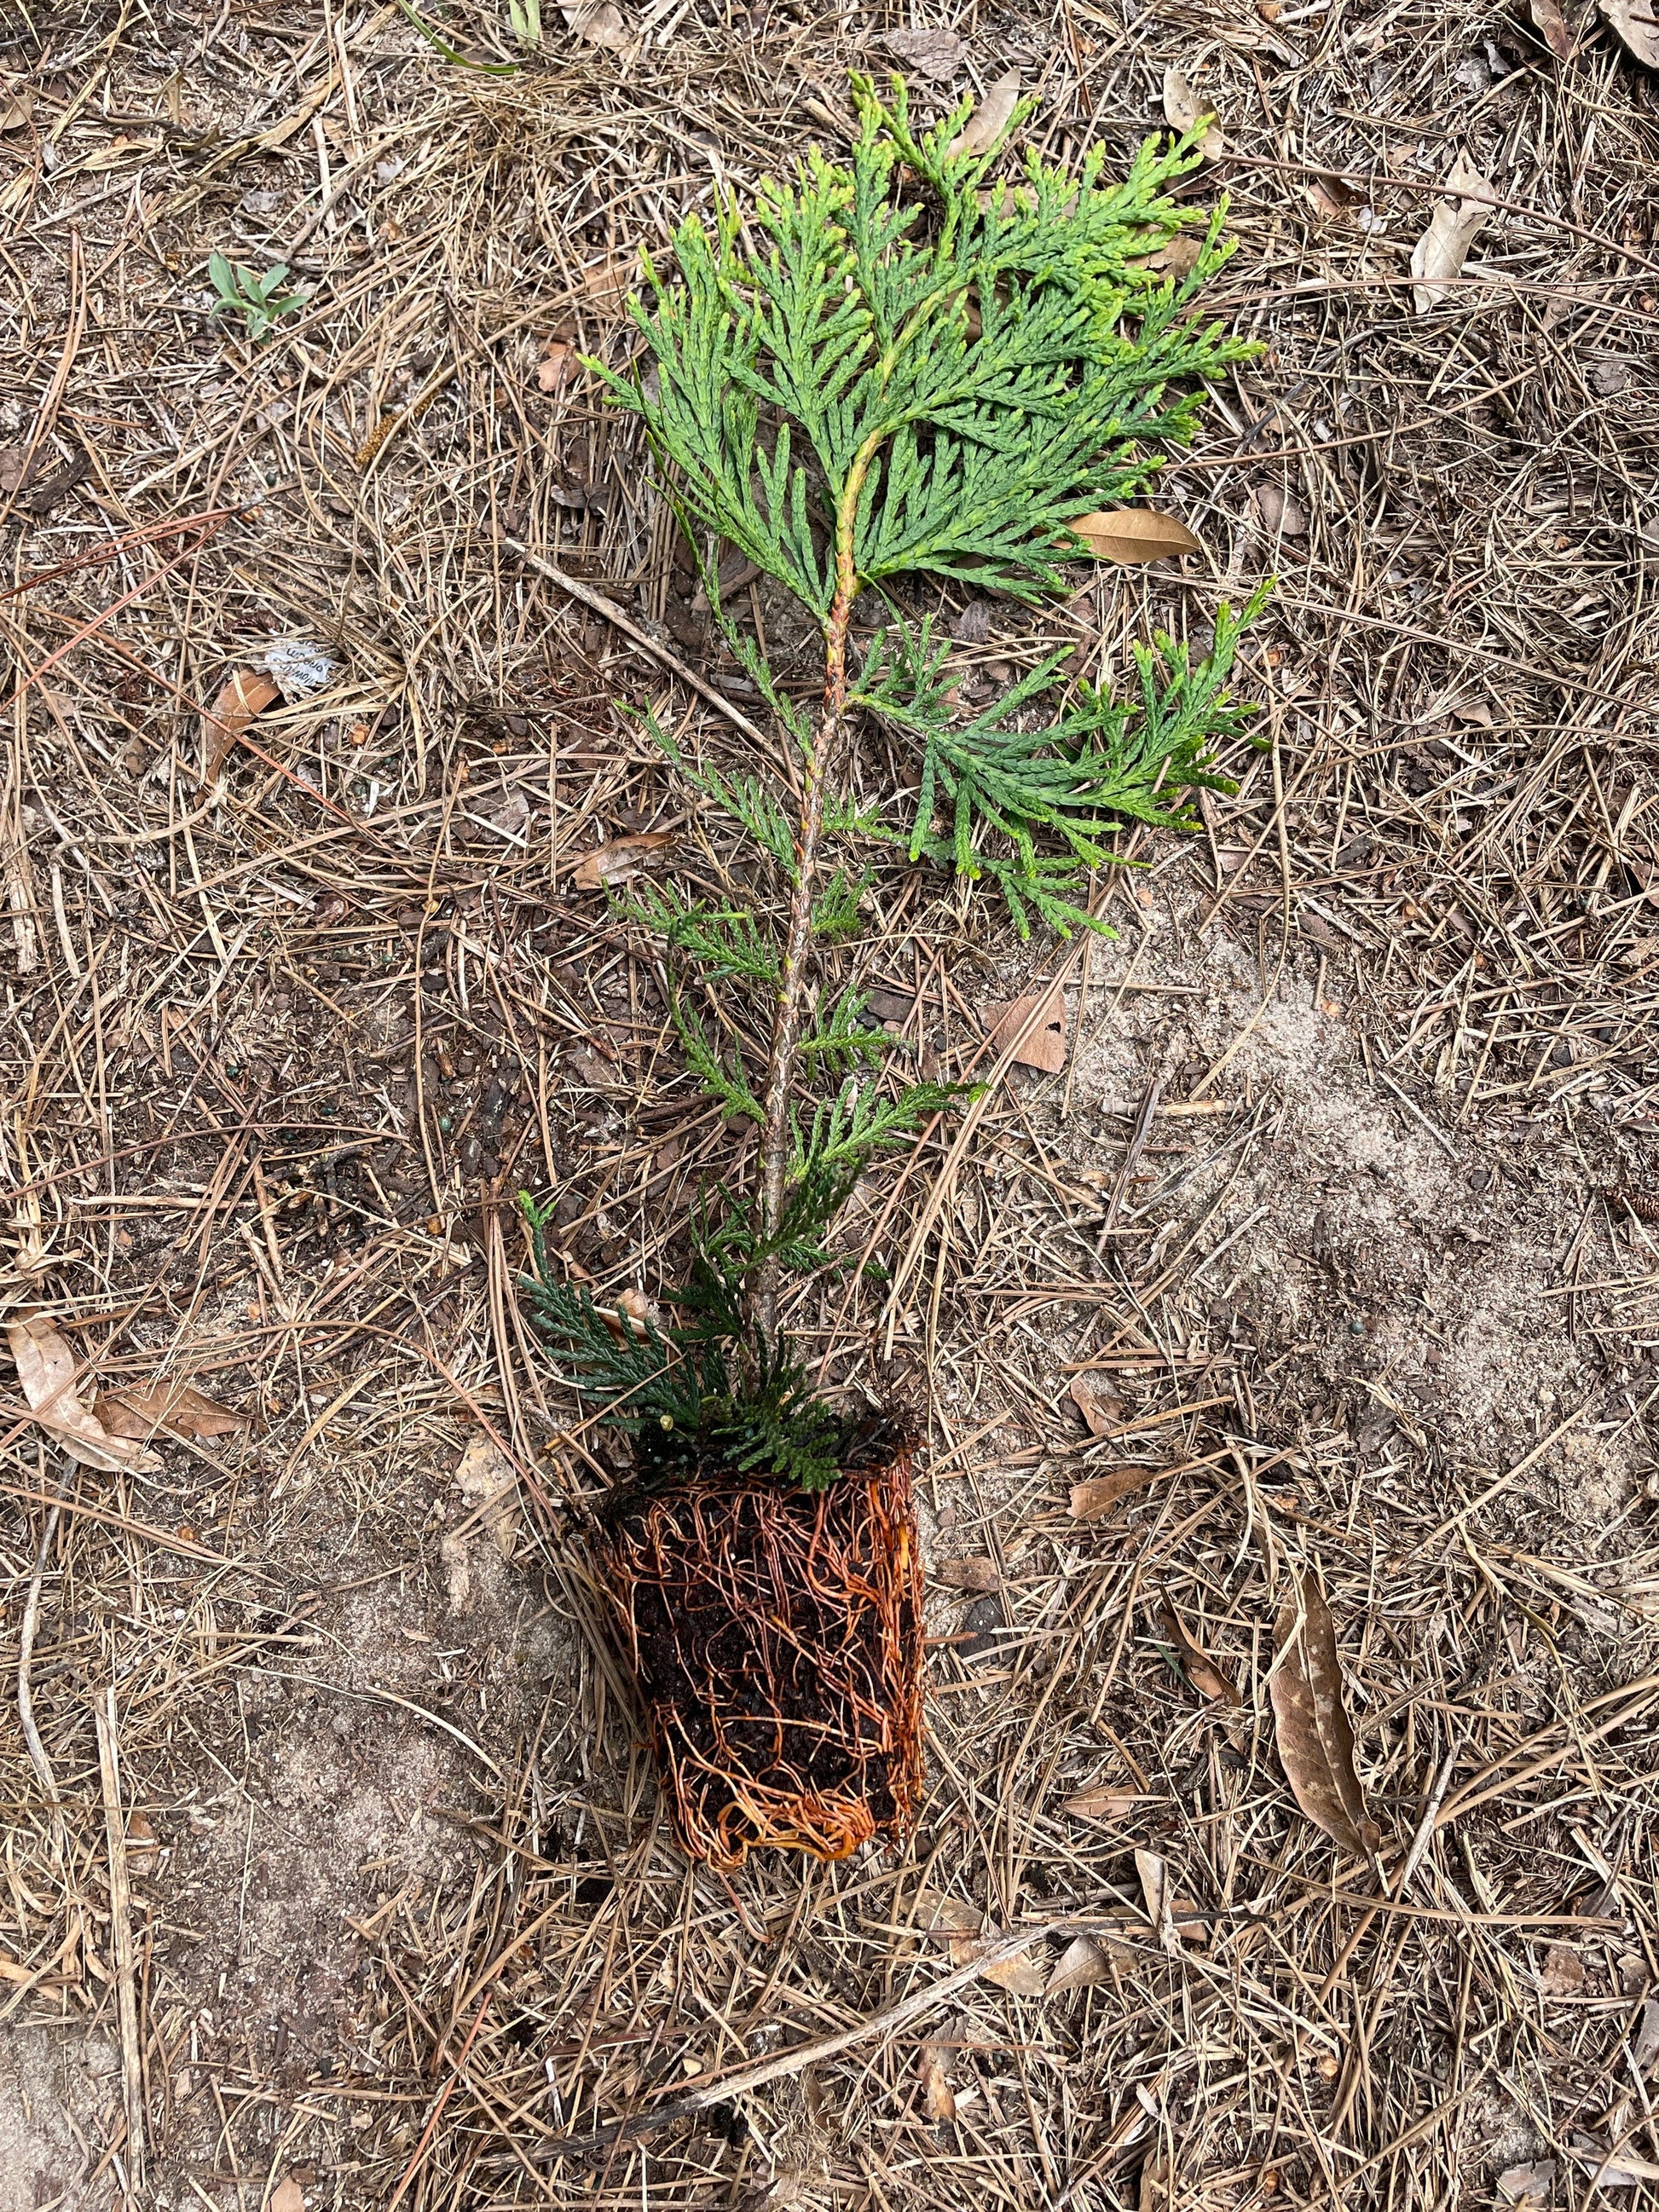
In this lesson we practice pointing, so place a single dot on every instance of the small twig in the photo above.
(38, 1758)
(120, 1914)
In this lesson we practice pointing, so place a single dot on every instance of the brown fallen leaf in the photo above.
(622, 858)
(1098, 1403)
(1310, 1723)
(287, 2196)
(966, 1574)
(962, 1926)
(1636, 24)
(1552, 26)
(1438, 256)
(486, 1480)
(599, 23)
(1184, 110)
(1131, 536)
(609, 282)
(933, 55)
(1530, 2186)
(1101, 1492)
(990, 119)
(1174, 1917)
(1082, 1964)
(1280, 510)
(1564, 1974)
(172, 1406)
(143, 1845)
(1201, 1671)
(556, 366)
(16, 106)
(1178, 258)
(45, 1368)
(938, 2099)
(1104, 1801)
(248, 692)
(19, 468)
(1045, 1047)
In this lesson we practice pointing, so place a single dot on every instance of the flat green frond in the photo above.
(722, 1080)
(721, 941)
(846, 1040)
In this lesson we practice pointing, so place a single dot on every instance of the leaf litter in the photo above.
(46, 1370)
(1438, 257)
(1311, 1721)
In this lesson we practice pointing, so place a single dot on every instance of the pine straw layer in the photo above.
(282, 1049)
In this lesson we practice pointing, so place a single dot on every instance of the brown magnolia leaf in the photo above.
(599, 23)
(248, 692)
(990, 119)
(1200, 1670)
(935, 56)
(1082, 1964)
(1310, 1723)
(1184, 110)
(1098, 1403)
(1636, 23)
(1552, 26)
(1101, 1492)
(966, 1574)
(174, 1405)
(1104, 1801)
(1045, 1047)
(622, 858)
(556, 366)
(286, 2196)
(1128, 536)
(1438, 256)
(16, 107)
(938, 2099)
(45, 1368)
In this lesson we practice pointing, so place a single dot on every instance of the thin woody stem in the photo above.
(797, 939)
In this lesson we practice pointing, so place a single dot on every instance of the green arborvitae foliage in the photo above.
(900, 371)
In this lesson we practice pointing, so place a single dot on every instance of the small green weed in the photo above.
(257, 299)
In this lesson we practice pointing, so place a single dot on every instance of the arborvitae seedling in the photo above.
(897, 369)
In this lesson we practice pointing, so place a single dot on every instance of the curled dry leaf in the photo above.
(1183, 111)
(1091, 1499)
(1098, 1403)
(1636, 24)
(1310, 1723)
(556, 366)
(966, 1574)
(622, 858)
(1438, 256)
(1552, 26)
(1045, 1047)
(1531, 2186)
(1280, 510)
(934, 55)
(1564, 1974)
(938, 2099)
(598, 23)
(172, 1406)
(961, 1926)
(45, 1368)
(1131, 536)
(1201, 1671)
(248, 692)
(990, 119)
(1081, 1966)
(486, 1481)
